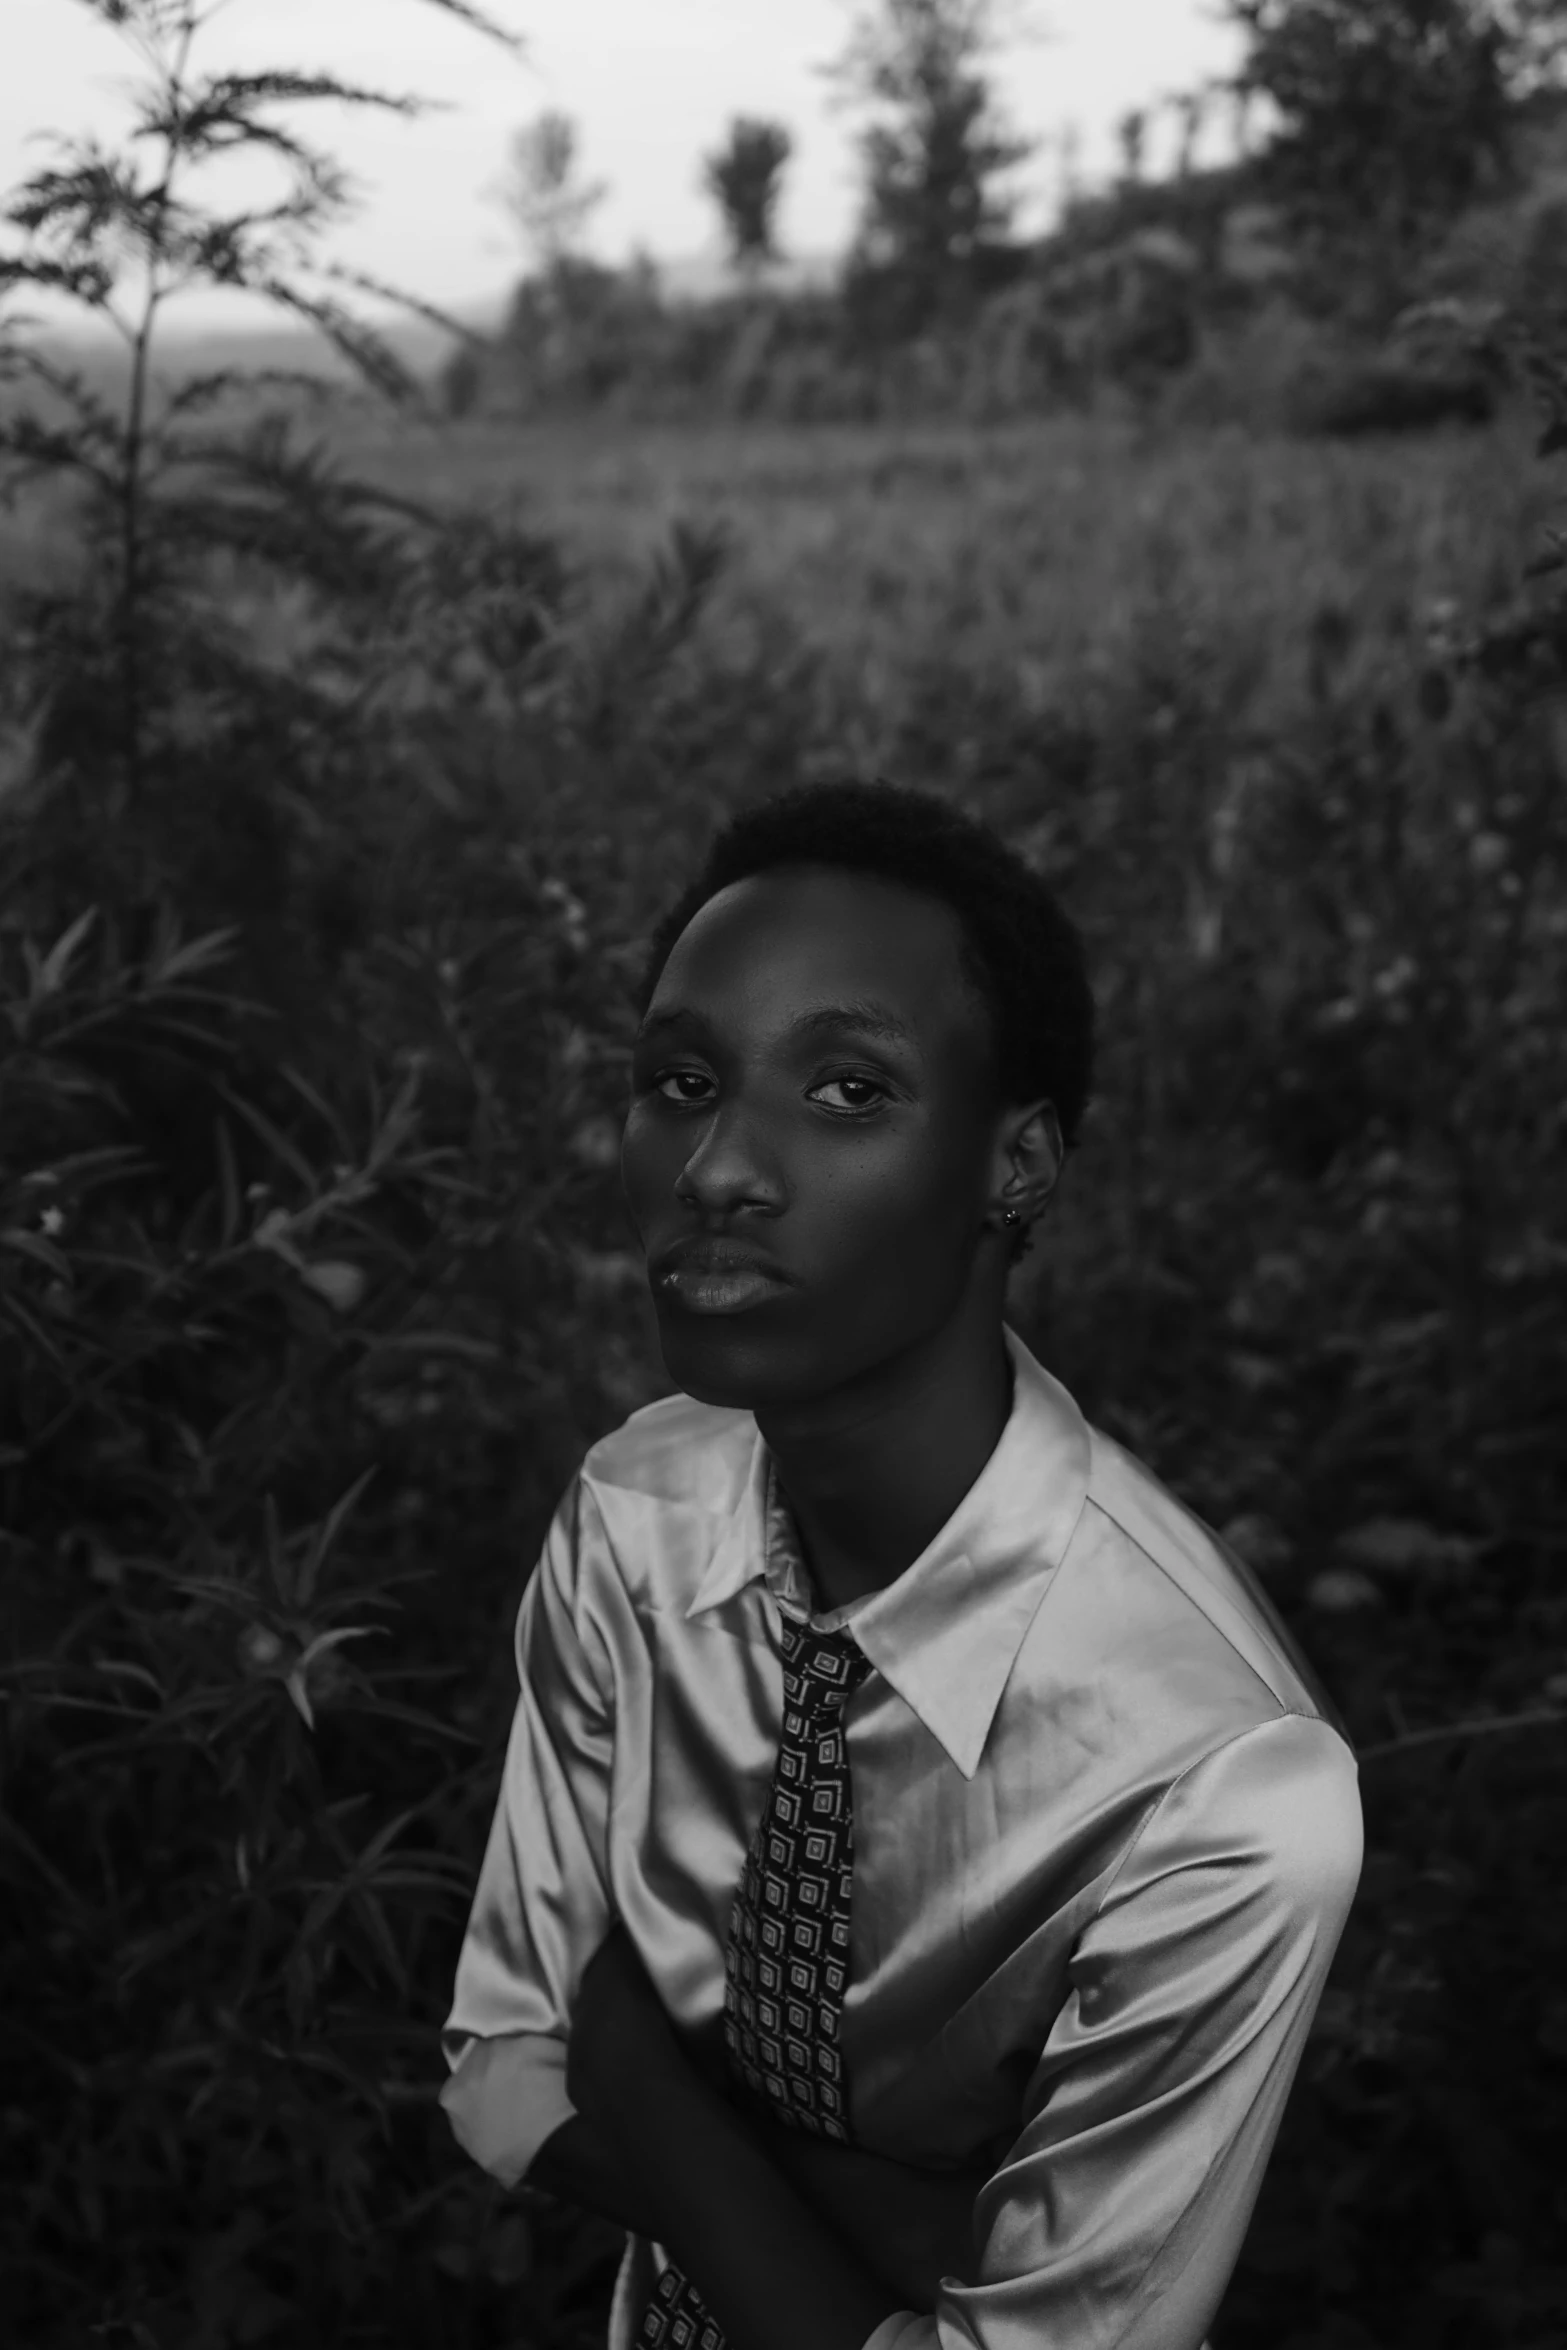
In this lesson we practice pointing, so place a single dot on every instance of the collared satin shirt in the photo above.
(1106, 1834)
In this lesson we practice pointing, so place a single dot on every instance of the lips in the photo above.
(715, 1277)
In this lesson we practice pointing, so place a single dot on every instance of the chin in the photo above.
(717, 1361)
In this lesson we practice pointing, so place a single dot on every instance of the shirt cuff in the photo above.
(904, 2330)
(505, 2097)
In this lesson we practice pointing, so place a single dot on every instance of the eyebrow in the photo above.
(863, 1018)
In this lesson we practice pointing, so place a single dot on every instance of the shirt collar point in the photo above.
(736, 1558)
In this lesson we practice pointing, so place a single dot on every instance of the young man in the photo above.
(920, 1849)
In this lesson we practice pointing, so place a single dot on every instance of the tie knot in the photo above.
(821, 1669)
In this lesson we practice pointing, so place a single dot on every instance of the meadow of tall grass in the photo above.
(307, 1140)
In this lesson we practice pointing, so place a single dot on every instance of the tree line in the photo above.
(1370, 123)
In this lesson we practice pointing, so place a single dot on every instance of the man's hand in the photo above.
(620, 2036)
(910, 2227)
(622, 2041)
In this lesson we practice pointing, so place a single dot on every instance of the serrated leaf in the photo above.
(325, 1642)
(331, 1898)
(223, 112)
(435, 1342)
(233, 1214)
(294, 1683)
(368, 353)
(124, 1670)
(372, 1917)
(322, 1107)
(326, 1535)
(29, 1244)
(1403, 1546)
(199, 392)
(278, 1566)
(174, 963)
(340, 1284)
(276, 1141)
(13, 1310)
(479, 20)
(56, 964)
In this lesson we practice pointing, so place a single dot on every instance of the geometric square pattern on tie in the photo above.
(786, 1966)
(786, 1963)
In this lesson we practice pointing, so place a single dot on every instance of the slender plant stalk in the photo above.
(133, 569)
(1487, 1726)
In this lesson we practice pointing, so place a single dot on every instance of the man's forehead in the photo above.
(832, 936)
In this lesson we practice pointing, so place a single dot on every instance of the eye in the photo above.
(679, 1085)
(860, 1093)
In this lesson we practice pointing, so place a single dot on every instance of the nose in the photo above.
(729, 1168)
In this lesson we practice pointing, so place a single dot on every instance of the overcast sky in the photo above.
(651, 84)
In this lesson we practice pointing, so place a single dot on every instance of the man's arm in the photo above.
(579, 2166)
(541, 1910)
(1118, 2212)
(541, 1907)
(1121, 2206)
(911, 2228)
(773, 2273)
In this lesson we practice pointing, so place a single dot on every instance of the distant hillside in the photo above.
(708, 277)
(185, 351)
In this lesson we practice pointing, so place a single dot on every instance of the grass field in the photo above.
(1041, 545)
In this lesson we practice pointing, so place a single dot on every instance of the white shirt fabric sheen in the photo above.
(1106, 1835)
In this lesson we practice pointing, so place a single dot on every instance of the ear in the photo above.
(1027, 1164)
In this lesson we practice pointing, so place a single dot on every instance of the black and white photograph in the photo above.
(783, 1175)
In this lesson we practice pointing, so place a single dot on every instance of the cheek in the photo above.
(646, 1167)
(893, 1212)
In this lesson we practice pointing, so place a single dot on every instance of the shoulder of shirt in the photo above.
(1211, 1579)
(677, 1451)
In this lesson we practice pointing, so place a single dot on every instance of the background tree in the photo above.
(1131, 138)
(543, 193)
(1190, 109)
(745, 179)
(1391, 115)
(936, 153)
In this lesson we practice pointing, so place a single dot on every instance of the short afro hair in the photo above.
(1020, 949)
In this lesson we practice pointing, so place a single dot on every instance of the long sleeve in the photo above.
(541, 1907)
(1119, 2212)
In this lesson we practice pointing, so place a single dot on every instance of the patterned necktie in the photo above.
(787, 1960)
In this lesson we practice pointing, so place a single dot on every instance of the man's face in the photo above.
(809, 1150)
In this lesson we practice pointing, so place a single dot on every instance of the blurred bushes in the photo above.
(313, 1286)
(1312, 1266)
(1202, 294)
(1051, 335)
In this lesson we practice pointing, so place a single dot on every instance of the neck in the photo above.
(873, 1471)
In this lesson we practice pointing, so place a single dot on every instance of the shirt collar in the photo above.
(946, 1632)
